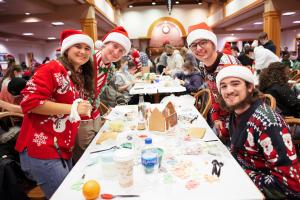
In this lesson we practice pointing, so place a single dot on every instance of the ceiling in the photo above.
(14, 22)
(244, 23)
(125, 3)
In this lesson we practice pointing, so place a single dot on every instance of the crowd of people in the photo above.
(60, 101)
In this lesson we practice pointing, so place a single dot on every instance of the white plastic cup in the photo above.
(108, 165)
(124, 160)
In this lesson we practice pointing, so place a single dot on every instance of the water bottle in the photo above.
(149, 156)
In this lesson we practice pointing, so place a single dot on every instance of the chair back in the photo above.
(270, 100)
(294, 124)
(104, 110)
(203, 101)
(294, 75)
(10, 119)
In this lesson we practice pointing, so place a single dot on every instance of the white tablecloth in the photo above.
(180, 170)
(153, 88)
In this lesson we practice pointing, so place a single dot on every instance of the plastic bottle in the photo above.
(141, 113)
(149, 156)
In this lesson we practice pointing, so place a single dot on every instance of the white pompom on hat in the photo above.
(118, 35)
(98, 44)
(237, 71)
(70, 37)
(200, 31)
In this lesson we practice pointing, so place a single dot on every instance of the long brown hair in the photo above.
(87, 74)
(275, 73)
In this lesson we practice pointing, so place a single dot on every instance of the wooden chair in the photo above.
(104, 110)
(294, 123)
(203, 101)
(10, 115)
(35, 192)
(294, 74)
(270, 100)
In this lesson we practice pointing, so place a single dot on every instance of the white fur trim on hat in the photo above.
(75, 39)
(120, 39)
(201, 34)
(236, 71)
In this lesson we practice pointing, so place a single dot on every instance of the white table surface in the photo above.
(153, 88)
(233, 183)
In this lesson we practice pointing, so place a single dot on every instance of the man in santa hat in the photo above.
(260, 140)
(112, 48)
(203, 44)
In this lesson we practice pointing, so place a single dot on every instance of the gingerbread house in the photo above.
(162, 121)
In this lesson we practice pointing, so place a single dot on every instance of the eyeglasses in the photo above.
(201, 43)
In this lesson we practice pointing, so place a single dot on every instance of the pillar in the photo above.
(89, 23)
(272, 24)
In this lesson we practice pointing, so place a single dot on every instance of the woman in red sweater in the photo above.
(51, 105)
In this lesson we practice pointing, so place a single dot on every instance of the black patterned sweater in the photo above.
(262, 144)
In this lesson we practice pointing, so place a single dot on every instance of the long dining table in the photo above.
(187, 165)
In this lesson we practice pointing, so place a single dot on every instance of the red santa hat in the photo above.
(237, 71)
(200, 31)
(118, 35)
(70, 37)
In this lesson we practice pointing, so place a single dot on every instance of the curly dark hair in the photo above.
(87, 75)
(275, 73)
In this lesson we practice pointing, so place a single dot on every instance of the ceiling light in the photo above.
(2, 1)
(31, 20)
(27, 13)
(257, 23)
(239, 29)
(288, 13)
(51, 38)
(200, 2)
(130, 6)
(57, 23)
(232, 34)
(296, 22)
(27, 34)
(153, 3)
(177, 2)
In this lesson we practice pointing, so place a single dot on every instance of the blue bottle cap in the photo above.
(148, 140)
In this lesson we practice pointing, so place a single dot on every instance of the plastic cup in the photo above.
(108, 165)
(160, 153)
(124, 160)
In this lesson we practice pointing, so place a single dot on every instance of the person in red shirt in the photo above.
(52, 102)
(112, 48)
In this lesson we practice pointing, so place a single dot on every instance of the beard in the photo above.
(242, 104)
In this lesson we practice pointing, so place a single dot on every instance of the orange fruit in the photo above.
(91, 190)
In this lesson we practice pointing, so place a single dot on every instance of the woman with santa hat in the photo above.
(112, 48)
(52, 103)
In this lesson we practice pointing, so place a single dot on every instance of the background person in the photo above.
(190, 77)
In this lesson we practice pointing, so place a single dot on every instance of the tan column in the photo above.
(272, 25)
(89, 23)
